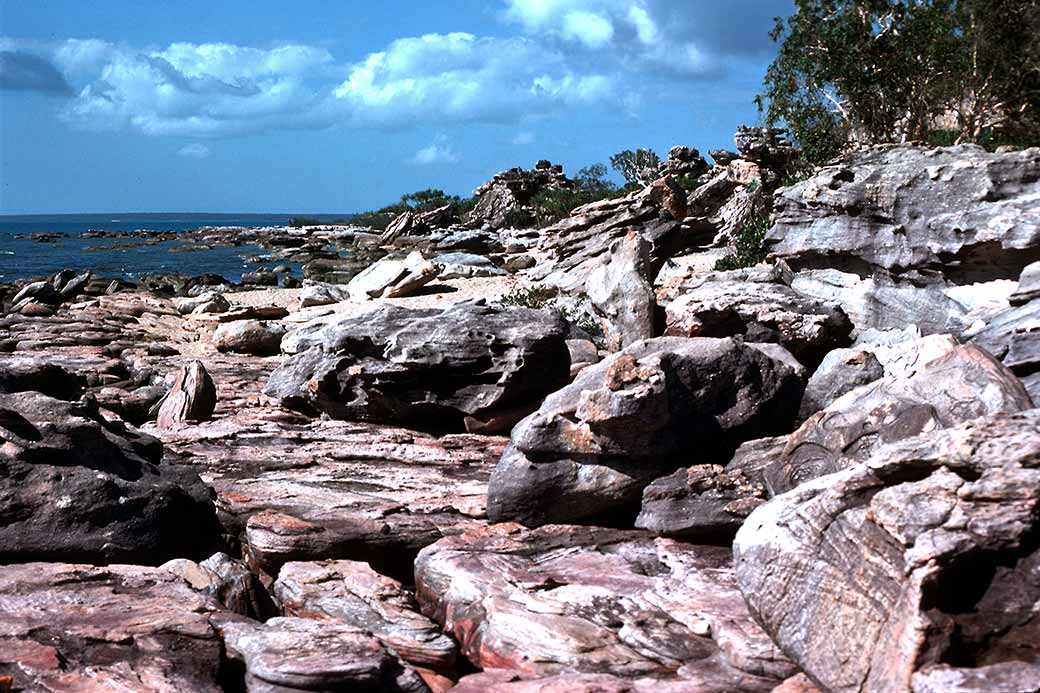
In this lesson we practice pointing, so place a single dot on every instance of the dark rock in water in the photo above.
(622, 292)
(352, 593)
(841, 371)
(227, 581)
(79, 487)
(261, 277)
(469, 366)
(564, 599)
(594, 445)
(21, 374)
(956, 213)
(249, 337)
(962, 384)
(118, 628)
(193, 397)
(709, 502)
(296, 654)
(914, 570)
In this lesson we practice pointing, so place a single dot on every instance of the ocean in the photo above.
(122, 256)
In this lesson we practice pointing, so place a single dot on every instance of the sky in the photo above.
(342, 106)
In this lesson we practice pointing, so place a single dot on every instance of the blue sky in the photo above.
(343, 106)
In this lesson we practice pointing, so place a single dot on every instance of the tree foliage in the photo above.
(640, 166)
(867, 71)
(590, 184)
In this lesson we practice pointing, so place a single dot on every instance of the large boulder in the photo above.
(77, 486)
(193, 396)
(592, 446)
(468, 366)
(503, 201)
(69, 627)
(962, 384)
(914, 570)
(622, 293)
(393, 278)
(1014, 335)
(22, 373)
(249, 337)
(841, 371)
(564, 599)
(956, 213)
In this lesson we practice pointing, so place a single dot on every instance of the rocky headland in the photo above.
(469, 453)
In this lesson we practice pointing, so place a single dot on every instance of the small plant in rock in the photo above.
(530, 297)
(748, 246)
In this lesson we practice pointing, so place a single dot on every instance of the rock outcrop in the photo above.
(623, 295)
(393, 278)
(592, 446)
(914, 570)
(504, 201)
(566, 600)
(193, 397)
(1014, 335)
(469, 366)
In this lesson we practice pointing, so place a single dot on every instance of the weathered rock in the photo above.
(594, 445)
(1028, 286)
(693, 681)
(709, 501)
(228, 582)
(206, 302)
(389, 278)
(261, 277)
(193, 397)
(76, 486)
(502, 201)
(962, 384)
(955, 213)
(914, 570)
(564, 599)
(765, 145)
(622, 293)
(471, 366)
(21, 374)
(583, 353)
(351, 592)
(747, 304)
(295, 654)
(118, 628)
(41, 292)
(318, 294)
(249, 337)
(684, 161)
(840, 371)
(465, 266)
(1014, 337)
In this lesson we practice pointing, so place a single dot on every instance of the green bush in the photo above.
(590, 185)
(748, 246)
(531, 297)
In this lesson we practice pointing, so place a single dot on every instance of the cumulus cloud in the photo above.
(20, 71)
(194, 151)
(440, 152)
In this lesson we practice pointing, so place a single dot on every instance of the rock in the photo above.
(962, 384)
(583, 353)
(1014, 337)
(621, 291)
(958, 214)
(253, 313)
(295, 654)
(915, 569)
(745, 304)
(465, 266)
(21, 374)
(592, 446)
(226, 581)
(684, 161)
(1028, 286)
(261, 277)
(317, 294)
(351, 592)
(129, 628)
(709, 502)
(564, 599)
(842, 370)
(41, 292)
(502, 201)
(75, 285)
(249, 337)
(193, 397)
(764, 145)
(468, 366)
(413, 223)
(392, 278)
(206, 302)
(516, 263)
(76, 486)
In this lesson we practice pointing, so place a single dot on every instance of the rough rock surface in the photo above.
(351, 592)
(76, 486)
(249, 337)
(564, 599)
(841, 371)
(295, 654)
(469, 366)
(20, 373)
(622, 293)
(393, 278)
(502, 201)
(958, 213)
(1028, 286)
(964, 383)
(594, 445)
(915, 570)
(1014, 337)
(227, 581)
(68, 627)
(193, 397)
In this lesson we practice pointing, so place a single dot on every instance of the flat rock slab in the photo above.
(351, 592)
(565, 599)
(914, 570)
(68, 627)
(295, 489)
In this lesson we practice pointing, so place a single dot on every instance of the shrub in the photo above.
(640, 166)
(748, 246)
(530, 297)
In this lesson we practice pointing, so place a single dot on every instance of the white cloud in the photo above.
(440, 152)
(594, 30)
(194, 151)
(523, 137)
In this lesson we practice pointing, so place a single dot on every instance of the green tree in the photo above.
(640, 166)
(854, 72)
